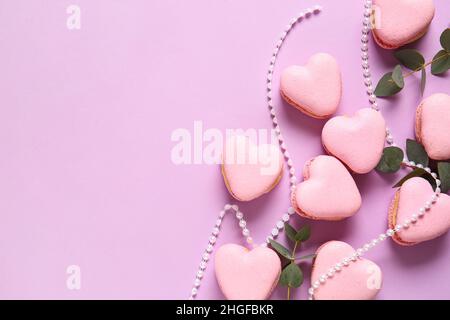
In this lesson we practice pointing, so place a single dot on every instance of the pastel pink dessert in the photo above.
(357, 141)
(314, 89)
(400, 22)
(328, 191)
(360, 280)
(409, 198)
(433, 125)
(249, 170)
(247, 274)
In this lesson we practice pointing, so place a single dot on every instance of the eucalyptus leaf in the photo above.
(290, 232)
(391, 160)
(418, 172)
(291, 276)
(397, 76)
(445, 39)
(386, 86)
(441, 62)
(303, 234)
(281, 249)
(410, 58)
(444, 176)
(416, 152)
(423, 81)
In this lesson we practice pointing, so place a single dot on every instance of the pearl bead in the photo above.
(275, 232)
(200, 274)
(197, 282)
(215, 231)
(245, 232)
(285, 217)
(280, 225)
(218, 222)
(242, 223)
(434, 175)
(390, 233)
(398, 228)
(428, 170)
(438, 182)
(209, 248)
(382, 237)
(194, 291)
(227, 207)
(205, 256)
(311, 291)
(438, 190)
(212, 240)
(315, 285)
(291, 210)
(239, 215)
(317, 8)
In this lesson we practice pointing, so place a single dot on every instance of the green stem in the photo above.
(292, 261)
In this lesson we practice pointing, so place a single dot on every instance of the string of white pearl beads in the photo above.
(366, 65)
(292, 178)
(408, 223)
(279, 226)
(228, 208)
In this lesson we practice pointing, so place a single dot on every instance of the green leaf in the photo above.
(281, 249)
(303, 234)
(386, 86)
(290, 232)
(307, 257)
(423, 81)
(410, 58)
(391, 160)
(444, 176)
(418, 172)
(441, 62)
(291, 276)
(397, 76)
(416, 152)
(445, 39)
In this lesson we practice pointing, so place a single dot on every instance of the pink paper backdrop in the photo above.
(86, 118)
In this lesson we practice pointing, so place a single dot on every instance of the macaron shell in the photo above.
(328, 191)
(360, 280)
(245, 274)
(433, 125)
(250, 170)
(401, 22)
(316, 88)
(412, 195)
(358, 141)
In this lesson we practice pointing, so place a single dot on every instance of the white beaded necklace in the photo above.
(359, 252)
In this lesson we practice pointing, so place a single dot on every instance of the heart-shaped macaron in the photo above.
(247, 274)
(433, 125)
(250, 170)
(357, 141)
(409, 198)
(314, 89)
(328, 191)
(401, 22)
(360, 280)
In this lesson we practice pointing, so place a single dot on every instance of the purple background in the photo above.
(86, 117)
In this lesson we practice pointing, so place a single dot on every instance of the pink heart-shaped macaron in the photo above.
(360, 280)
(328, 191)
(401, 22)
(247, 274)
(409, 198)
(314, 89)
(357, 141)
(250, 170)
(433, 125)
